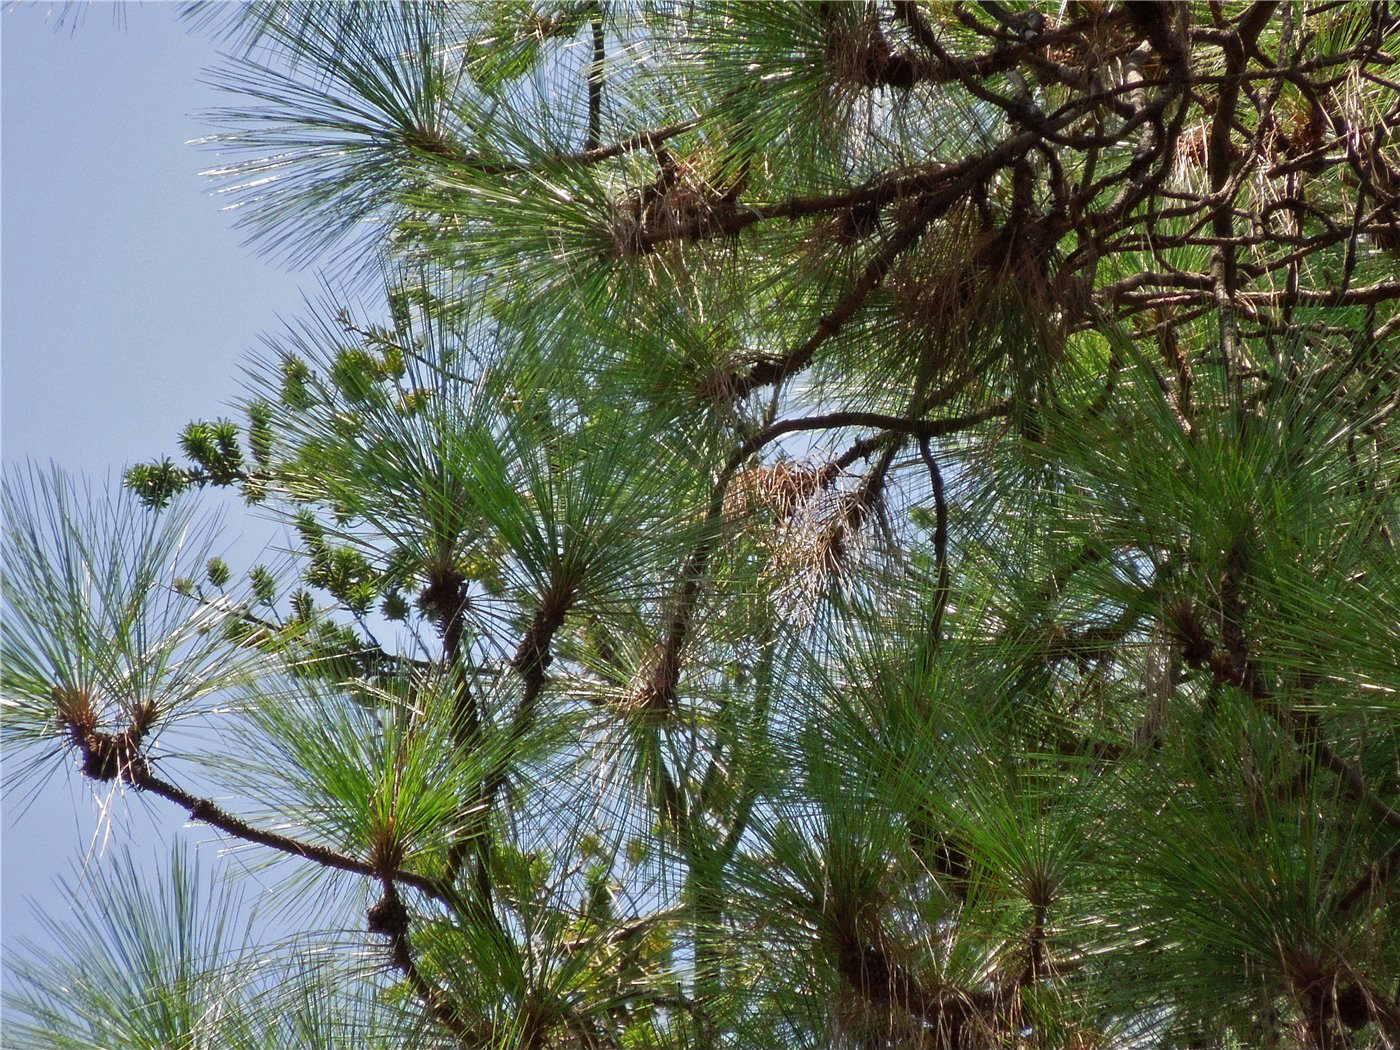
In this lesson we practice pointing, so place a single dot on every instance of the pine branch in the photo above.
(134, 769)
(595, 78)
(940, 539)
(1229, 668)
(389, 917)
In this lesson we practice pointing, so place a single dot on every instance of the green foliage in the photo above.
(214, 448)
(294, 376)
(263, 584)
(171, 959)
(849, 525)
(105, 634)
(260, 432)
(157, 483)
(217, 572)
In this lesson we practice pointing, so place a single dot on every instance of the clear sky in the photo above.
(127, 303)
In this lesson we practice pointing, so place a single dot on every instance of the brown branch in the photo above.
(641, 140)
(940, 538)
(1377, 876)
(389, 917)
(774, 370)
(1219, 168)
(1226, 668)
(920, 428)
(726, 217)
(135, 770)
(1367, 295)
(880, 980)
(944, 68)
(595, 79)
(1035, 946)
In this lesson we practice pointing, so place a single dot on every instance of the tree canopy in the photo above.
(815, 524)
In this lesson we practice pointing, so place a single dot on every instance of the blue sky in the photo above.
(127, 304)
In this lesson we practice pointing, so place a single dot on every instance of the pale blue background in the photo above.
(128, 304)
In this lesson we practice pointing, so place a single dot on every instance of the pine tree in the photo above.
(848, 524)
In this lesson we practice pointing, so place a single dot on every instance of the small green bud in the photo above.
(310, 531)
(600, 893)
(347, 424)
(354, 374)
(157, 483)
(239, 631)
(394, 607)
(360, 596)
(260, 432)
(197, 442)
(218, 572)
(263, 584)
(295, 376)
(254, 489)
(399, 310)
(414, 401)
(214, 446)
(391, 363)
(303, 606)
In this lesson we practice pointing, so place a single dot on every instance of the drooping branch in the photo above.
(115, 757)
(389, 918)
(118, 757)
